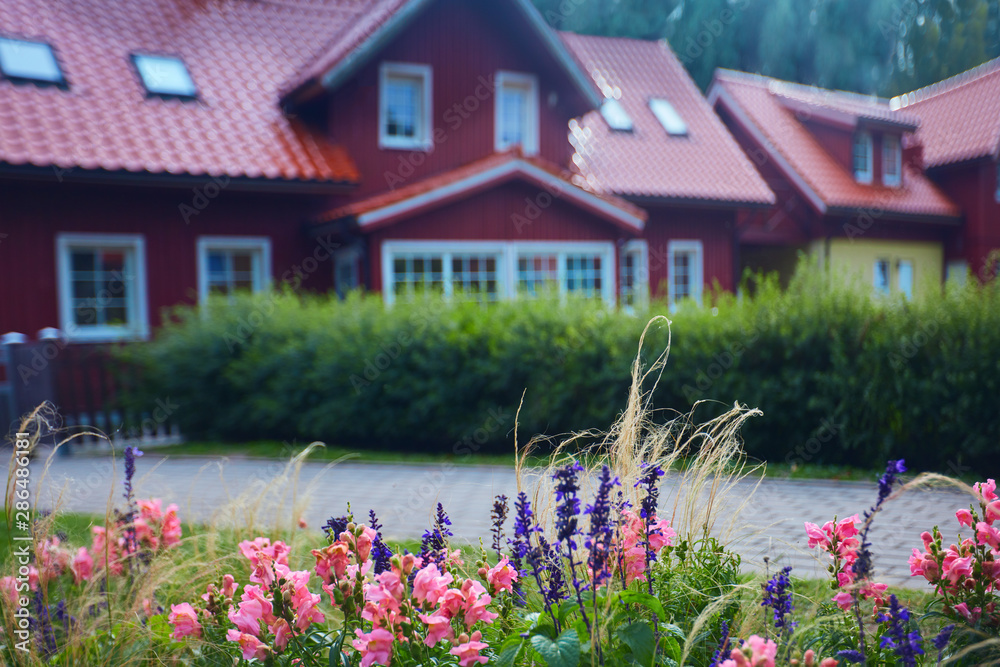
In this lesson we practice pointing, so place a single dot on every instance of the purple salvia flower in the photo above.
(907, 646)
(435, 541)
(778, 596)
(381, 554)
(601, 531)
(941, 641)
(723, 649)
(499, 516)
(649, 481)
(567, 523)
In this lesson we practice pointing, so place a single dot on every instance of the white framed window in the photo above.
(686, 271)
(231, 264)
(404, 106)
(892, 160)
(102, 286)
(881, 276)
(862, 157)
(904, 277)
(634, 273)
(516, 112)
(491, 270)
(615, 115)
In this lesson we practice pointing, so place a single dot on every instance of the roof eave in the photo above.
(695, 202)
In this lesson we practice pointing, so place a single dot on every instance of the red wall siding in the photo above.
(973, 187)
(496, 215)
(465, 43)
(715, 230)
(34, 213)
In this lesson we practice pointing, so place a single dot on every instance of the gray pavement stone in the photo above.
(404, 497)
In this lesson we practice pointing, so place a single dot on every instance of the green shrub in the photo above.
(841, 378)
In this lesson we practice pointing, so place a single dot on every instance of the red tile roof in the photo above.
(759, 101)
(238, 53)
(707, 164)
(959, 117)
(486, 173)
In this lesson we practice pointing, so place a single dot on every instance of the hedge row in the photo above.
(840, 377)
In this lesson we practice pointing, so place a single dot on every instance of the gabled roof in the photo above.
(484, 174)
(237, 52)
(706, 165)
(959, 117)
(838, 107)
(358, 40)
(757, 104)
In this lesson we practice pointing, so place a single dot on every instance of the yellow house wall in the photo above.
(858, 257)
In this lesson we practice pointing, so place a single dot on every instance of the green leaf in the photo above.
(508, 652)
(639, 637)
(645, 599)
(562, 652)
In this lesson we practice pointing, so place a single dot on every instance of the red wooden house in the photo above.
(154, 152)
(849, 190)
(959, 144)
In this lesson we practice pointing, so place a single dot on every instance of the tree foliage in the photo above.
(884, 47)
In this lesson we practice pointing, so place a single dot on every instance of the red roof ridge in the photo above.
(947, 85)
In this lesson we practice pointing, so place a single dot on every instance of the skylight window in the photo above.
(164, 75)
(668, 117)
(615, 115)
(29, 61)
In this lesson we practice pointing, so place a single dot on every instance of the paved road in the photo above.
(404, 496)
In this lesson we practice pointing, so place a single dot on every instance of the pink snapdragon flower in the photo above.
(429, 585)
(8, 588)
(762, 653)
(332, 561)
(468, 650)
(374, 647)
(304, 602)
(988, 535)
(502, 576)
(253, 608)
(82, 566)
(970, 615)
(170, 530)
(438, 628)
(184, 618)
(964, 517)
(476, 601)
(251, 646)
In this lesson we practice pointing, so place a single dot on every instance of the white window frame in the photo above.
(888, 179)
(517, 79)
(137, 308)
(908, 293)
(424, 139)
(507, 255)
(862, 176)
(262, 269)
(640, 249)
(698, 270)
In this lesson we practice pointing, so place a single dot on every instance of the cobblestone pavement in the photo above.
(404, 496)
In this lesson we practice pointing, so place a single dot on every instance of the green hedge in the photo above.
(841, 377)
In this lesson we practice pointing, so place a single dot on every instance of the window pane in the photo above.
(230, 271)
(535, 272)
(668, 117)
(99, 286)
(513, 115)
(402, 106)
(474, 276)
(682, 278)
(29, 60)
(583, 274)
(906, 278)
(414, 273)
(165, 75)
(881, 278)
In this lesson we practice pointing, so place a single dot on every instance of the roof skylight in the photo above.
(615, 115)
(165, 75)
(668, 117)
(29, 61)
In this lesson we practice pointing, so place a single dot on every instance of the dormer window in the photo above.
(615, 115)
(516, 112)
(892, 160)
(21, 60)
(404, 106)
(668, 117)
(164, 76)
(863, 157)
